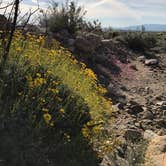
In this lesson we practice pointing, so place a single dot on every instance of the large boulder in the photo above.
(88, 43)
(156, 152)
(149, 135)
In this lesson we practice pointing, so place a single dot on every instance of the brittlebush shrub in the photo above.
(39, 115)
(52, 110)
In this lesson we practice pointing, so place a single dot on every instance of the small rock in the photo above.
(161, 132)
(114, 160)
(141, 58)
(148, 115)
(106, 41)
(120, 106)
(161, 103)
(146, 123)
(123, 88)
(147, 88)
(149, 135)
(164, 113)
(134, 108)
(159, 97)
(133, 134)
(137, 124)
(161, 122)
(151, 62)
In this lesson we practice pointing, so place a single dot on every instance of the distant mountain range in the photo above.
(148, 27)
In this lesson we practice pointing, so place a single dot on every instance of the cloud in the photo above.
(115, 12)
(126, 12)
(110, 8)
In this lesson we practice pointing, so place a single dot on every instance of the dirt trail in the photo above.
(140, 112)
(146, 83)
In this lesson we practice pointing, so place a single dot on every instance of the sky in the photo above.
(116, 13)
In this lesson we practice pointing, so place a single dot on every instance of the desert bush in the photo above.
(49, 106)
(110, 33)
(92, 27)
(68, 16)
(140, 41)
(161, 42)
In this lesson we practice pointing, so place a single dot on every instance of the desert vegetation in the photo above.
(52, 103)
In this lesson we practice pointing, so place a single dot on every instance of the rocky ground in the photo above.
(137, 86)
(139, 111)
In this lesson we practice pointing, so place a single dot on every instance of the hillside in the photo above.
(75, 94)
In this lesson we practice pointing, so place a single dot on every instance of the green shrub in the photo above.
(68, 17)
(110, 33)
(93, 27)
(140, 41)
(161, 44)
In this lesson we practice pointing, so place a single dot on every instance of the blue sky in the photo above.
(117, 13)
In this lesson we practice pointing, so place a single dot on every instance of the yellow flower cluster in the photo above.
(62, 111)
(18, 49)
(52, 53)
(40, 39)
(53, 90)
(83, 65)
(36, 82)
(57, 62)
(90, 73)
(102, 90)
(47, 117)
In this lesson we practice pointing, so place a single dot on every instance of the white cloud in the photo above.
(126, 12)
(115, 12)
(111, 8)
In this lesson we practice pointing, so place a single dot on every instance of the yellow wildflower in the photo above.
(75, 61)
(38, 82)
(47, 117)
(62, 111)
(90, 73)
(38, 74)
(83, 65)
(18, 49)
